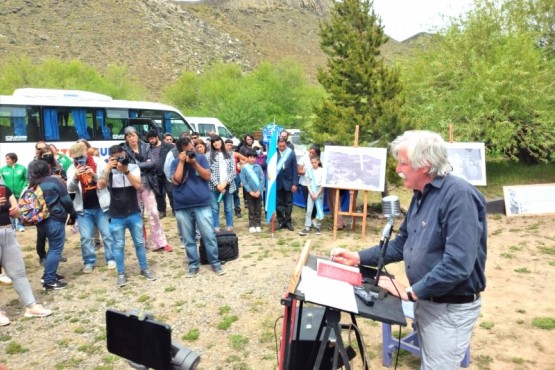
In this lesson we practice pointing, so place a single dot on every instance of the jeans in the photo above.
(444, 332)
(55, 232)
(236, 200)
(86, 222)
(187, 219)
(134, 223)
(228, 208)
(12, 262)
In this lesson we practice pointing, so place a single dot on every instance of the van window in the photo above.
(205, 128)
(224, 133)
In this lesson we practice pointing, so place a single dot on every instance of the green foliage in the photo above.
(17, 72)
(546, 323)
(13, 348)
(226, 322)
(238, 342)
(487, 77)
(191, 335)
(246, 102)
(361, 89)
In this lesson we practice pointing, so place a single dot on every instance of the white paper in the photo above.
(327, 292)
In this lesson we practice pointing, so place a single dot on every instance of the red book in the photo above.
(340, 272)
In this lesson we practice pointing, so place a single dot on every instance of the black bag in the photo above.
(228, 247)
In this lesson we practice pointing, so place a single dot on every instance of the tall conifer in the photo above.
(361, 89)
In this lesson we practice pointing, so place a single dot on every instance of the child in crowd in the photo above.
(252, 178)
(315, 196)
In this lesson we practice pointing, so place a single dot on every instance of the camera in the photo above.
(145, 342)
(191, 154)
(123, 160)
(81, 161)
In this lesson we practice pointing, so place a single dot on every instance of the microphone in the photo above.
(391, 206)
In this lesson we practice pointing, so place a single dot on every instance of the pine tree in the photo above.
(361, 89)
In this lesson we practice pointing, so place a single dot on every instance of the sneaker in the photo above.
(4, 319)
(238, 212)
(37, 311)
(258, 229)
(5, 280)
(148, 275)
(252, 229)
(57, 285)
(88, 269)
(63, 258)
(20, 228)
(318, 232)
(161, 215)
(304, 231)
(229, 228)
(122, 280)
(58, 277)
(193, 271)
(218, 270)
(217, 229)
(111, 264)
(168, 248)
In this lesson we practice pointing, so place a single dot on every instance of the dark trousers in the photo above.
(254, 205)
(304, 191)
(284, 206)
(165, 187)
(41, 242)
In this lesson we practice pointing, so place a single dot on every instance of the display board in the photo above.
(524, 200)
(468, 161)
(354, 168)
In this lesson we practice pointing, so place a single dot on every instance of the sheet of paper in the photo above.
(327, 292)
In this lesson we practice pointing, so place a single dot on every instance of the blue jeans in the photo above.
(86, 222)
(134, 223)
(201, 217)
(228, 208)
(55, 232)
(236, 200)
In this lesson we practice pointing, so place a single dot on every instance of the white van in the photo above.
(203, 125)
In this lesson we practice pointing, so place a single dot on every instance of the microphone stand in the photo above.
(375, 290)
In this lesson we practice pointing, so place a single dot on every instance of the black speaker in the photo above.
(305, 348)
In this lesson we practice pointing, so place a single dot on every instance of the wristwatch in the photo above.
(409, 294)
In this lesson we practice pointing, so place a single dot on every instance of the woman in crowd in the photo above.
(54, 227)
(222, 182)
(56, 169)
(200, 146)
(12, 260)
(138, 152)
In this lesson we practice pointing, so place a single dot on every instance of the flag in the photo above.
(271, 174)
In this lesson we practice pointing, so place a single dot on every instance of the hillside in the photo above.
(158, 39)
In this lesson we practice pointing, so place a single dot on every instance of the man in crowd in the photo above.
(443, 244)
(192, 205)
(285, 135)
(123, 179)
(91, 205)
(286, 184)
(159, 151)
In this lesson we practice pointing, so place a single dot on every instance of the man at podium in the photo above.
(443, 244)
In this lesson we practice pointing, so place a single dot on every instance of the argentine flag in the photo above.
(271, 174)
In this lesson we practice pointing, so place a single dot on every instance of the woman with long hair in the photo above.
(138, 152)
(54, 227)
(222, 182)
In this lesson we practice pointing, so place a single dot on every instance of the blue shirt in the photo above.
(443, 240)
(193, 191)
(248, 182)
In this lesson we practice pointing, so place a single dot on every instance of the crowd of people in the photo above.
(442, 240)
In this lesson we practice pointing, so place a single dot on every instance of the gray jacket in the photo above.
(74, 186)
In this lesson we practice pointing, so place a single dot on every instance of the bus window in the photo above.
(67, 124)
(19, 124)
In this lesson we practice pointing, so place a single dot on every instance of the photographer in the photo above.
(123, 180)
(190, 175)
(91, 205)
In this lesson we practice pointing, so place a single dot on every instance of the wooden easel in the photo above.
(352, 205)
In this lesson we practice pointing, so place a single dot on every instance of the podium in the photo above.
(387, 311)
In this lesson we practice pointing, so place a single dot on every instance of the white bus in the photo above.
(61, 117)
